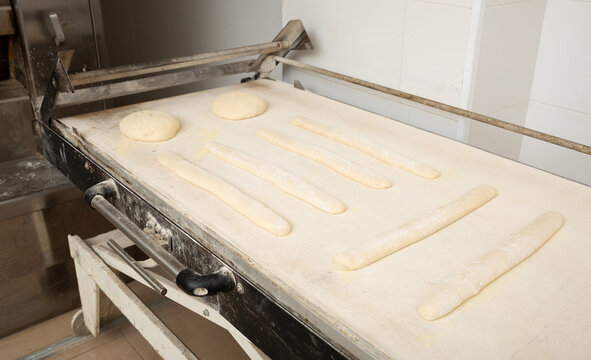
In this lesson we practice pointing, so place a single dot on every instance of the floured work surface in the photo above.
(541, 308)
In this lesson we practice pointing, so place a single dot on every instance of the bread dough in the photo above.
(238, 106)
(149, 125)
(368, 252)
(368, 147)
(250, 208)
(467, 283)
(285, 181)
(335, 162)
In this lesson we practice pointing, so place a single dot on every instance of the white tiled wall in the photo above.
(563, 70)
(415, 46)
(523, 61)
(508, 51)
(434, 52)
(505, 71)
(227, 24)
(534, 70)
(353, 37)
(561, 93)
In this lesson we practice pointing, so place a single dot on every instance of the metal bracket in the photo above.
(58, 82)
(292, 33)
(267, 66)
(298, 85)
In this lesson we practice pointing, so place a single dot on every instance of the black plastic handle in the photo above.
(218, 282)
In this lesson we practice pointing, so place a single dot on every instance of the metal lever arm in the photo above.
(155, 284)
(187, 279)
(59, 38)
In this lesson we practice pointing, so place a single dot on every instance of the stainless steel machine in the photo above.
(38, 204)
(282, 294)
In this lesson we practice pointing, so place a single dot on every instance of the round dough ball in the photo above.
(238, 106)
(149, 125)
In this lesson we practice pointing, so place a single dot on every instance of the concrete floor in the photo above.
(54, 339)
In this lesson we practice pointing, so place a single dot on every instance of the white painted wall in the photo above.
(560, 101)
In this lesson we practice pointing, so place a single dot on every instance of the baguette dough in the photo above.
(238, 106)
(149, 125)
(285, 181)
(252, 209)
(368, 147)
(368, 252)
(467, 283)
(337, 163)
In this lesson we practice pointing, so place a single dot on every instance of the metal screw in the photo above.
(240, 288)
(200, 291)
(205, 312)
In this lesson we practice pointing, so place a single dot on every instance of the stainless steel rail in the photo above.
(140, 238)
(151, 67)
(441, 106)
(156, 82)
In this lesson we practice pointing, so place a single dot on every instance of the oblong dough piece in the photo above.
(238, 105)
(467, 283)
(368, 252)
(337, 163)
(250, 208)
(369, 147)
(149, 125)
(285, 181)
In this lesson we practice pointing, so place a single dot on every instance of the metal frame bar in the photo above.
(441, 106)
(151, 67)
(130, 87)
(60, 89)
(155, 284)
(93, 274)
(196, 305)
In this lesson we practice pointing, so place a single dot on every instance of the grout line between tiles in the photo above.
(402, 47)
(561, 107)
(51, 349)
(510, 3)
(93, 348)
(131, 344)
(448, 4)
(491, 113)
